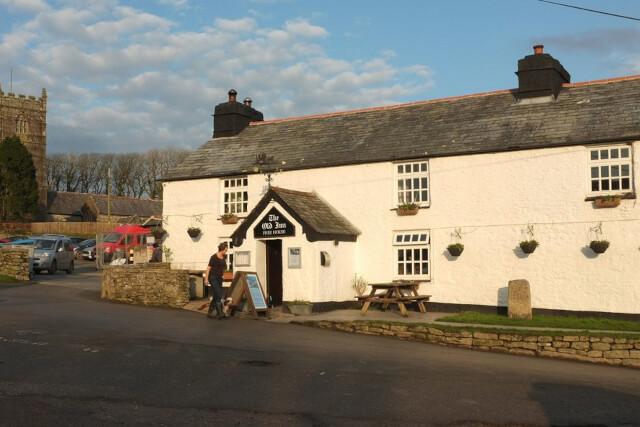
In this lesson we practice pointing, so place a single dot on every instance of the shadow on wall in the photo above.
(575, 405)
(588, 253)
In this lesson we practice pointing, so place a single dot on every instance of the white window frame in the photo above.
(419, 170)
(410, 241)
(230, 190)
(598, 167)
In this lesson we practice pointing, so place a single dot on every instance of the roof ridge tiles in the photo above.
(433, 101)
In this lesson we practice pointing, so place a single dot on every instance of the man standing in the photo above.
(213, 276)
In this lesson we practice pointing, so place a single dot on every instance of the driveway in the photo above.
(69, 358)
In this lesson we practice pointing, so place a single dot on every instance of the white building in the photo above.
(487, 170)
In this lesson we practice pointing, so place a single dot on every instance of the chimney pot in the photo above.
(232, 95)
(248, 101)
(538, 49)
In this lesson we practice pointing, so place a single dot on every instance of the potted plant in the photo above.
(229, 218)
(607, 201)
(193, 232)
(455, 249)
(599, 246)
(299, 307)
(528, 246)
(406, 209)
(359, 285)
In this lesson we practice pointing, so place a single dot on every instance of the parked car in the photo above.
(12, 239)
(52, 253)
(22, 242)
(80, 249)
(117, 243)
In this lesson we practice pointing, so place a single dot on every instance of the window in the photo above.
(610, 169)
(235, 195)
(412, 183)
(412, 254)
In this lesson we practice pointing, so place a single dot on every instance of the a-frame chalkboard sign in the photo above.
(246, 287)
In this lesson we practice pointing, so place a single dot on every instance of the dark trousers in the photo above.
(218, 292)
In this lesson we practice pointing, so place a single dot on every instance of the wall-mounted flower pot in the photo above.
(193, 232)
(528, 246)
(607, 202)
(403, 211)
(599, 246)
(455, 249)
(229, 219)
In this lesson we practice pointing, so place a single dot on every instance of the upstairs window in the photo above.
(610, 169)
(235, 195)
(412, 183)
(412, 249)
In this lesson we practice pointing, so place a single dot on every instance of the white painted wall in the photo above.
(491, 197)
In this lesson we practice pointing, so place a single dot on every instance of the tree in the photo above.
(18, 185)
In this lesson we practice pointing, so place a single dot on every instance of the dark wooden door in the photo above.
(274, 271)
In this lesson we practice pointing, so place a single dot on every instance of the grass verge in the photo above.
(542, 321)
(7, 279)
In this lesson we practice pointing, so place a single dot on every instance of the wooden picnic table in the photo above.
(399, 293)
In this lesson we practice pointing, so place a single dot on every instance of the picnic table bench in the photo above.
(399, 293)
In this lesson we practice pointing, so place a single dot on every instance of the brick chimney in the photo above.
(540, 74)
(232, 117)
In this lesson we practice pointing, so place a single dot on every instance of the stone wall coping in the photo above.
(531, 328)
(613, 349)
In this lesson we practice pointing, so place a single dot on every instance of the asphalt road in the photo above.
(68, 358)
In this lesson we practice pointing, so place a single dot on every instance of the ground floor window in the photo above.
(230, 254)
(412, 254)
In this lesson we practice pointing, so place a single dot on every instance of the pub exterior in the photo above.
(380, 193)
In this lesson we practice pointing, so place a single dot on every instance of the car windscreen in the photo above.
(86, 244)
(45, 244)
(112, 237)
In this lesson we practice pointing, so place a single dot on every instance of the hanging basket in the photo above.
(455, 249)
(193, 232)
(599, 246)
(229, 219)
(528, 246)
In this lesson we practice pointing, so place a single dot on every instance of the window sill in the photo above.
(416, 280)
(623, 196)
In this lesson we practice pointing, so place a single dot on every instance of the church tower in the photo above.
(26, 117)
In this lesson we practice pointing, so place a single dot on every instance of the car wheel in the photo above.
(36, 271)
(70, 269)
(53, 268)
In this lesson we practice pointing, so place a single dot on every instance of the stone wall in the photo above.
(14, 262)
(609, 350)
(146, 284)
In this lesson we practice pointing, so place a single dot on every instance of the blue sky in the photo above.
(129, 76)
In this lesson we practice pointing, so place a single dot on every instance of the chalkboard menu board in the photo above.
(274, 224)
(255, 290)
(246, 292)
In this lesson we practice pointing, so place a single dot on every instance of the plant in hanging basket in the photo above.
(528, 246)
(455, 249)
(193, 232)
(407, 209)
(229, 218)
(599, 246)
(607, 202)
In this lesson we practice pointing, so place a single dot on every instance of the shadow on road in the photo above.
(564, 404)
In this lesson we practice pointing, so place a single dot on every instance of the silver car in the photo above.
(52, 253)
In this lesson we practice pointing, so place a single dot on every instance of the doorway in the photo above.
(274, 271)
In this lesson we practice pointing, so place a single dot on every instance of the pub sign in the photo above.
(274, 224)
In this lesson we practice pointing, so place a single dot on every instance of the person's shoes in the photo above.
(210, 315)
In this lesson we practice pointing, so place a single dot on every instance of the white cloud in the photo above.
(25, 5)
(302, 27)
(122, 79)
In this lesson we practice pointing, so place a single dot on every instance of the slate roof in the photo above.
(583, 113)
(69, 203)
(320, 221)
